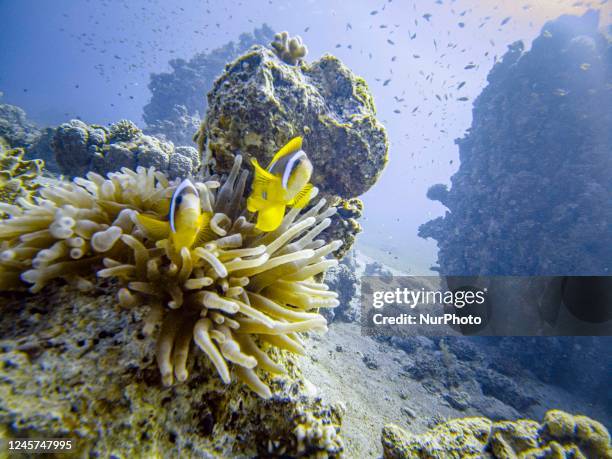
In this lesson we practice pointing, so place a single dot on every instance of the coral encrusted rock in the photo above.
(560, 435)
(77, 365)
(15, 127)
(18, 132)
(80, 148)
(178, 98)
(533, 192)
(260, 102)
(17, 175)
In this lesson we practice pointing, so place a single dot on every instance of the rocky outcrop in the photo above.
(15, 128)
(18, 132)
(80, 148)
(77, 365)
(178, 99)
(532, 194)
(260, 102)
(559, 435)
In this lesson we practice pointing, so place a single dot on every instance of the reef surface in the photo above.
(532, 193)
(260, 102)
(80, 148)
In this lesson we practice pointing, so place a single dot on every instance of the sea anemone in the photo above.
(235, 295)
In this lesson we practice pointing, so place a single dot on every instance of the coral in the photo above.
(343, 280)
(80, 148)
(76, 364)
(290, 50)
(345, 225)
(15, 128)
(455, 439)
(531, 196)
(235, 293)
(124, 131)
(18, 132)
(559, 435)
(17, 175)
(259, 103)
(178, 98)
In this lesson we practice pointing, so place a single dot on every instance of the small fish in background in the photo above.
(283, 183)
(584, 66)
(186, 224)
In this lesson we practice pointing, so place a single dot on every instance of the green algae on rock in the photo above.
(260, 102)
(78, 366)
(80, 148)
(17, 175)
(560, 435)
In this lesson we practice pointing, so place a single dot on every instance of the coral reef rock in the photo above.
(19, 132)
(532, 193)
(178, 99)
(17, 176)
(290, 50)
(15, 127)
(260, 102)
(343, 280)
(80, 148)
(76, 365)
(560, 435)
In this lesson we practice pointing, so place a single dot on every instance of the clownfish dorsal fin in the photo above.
(262, 176)
(292, 146)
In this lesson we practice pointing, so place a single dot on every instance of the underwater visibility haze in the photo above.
(218, 221)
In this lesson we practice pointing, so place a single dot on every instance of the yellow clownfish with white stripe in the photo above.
(284, 183)
(186, 222)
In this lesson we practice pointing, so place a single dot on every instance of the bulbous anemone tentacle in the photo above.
(235, 294)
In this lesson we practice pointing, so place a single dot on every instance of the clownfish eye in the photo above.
(179, 199)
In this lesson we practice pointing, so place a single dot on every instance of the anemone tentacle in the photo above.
(234, 294)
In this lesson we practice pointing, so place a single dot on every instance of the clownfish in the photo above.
(284, 183)
(186, 221)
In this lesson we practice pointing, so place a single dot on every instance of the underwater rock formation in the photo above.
(343, 280)
(178, 98)
(560, 435)
(260, 102)
(80, 148)
(231, 289)
(77, 365)
(19, 132)
(290, 50)
(533, 192)
(17, 175)
(15, 128)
